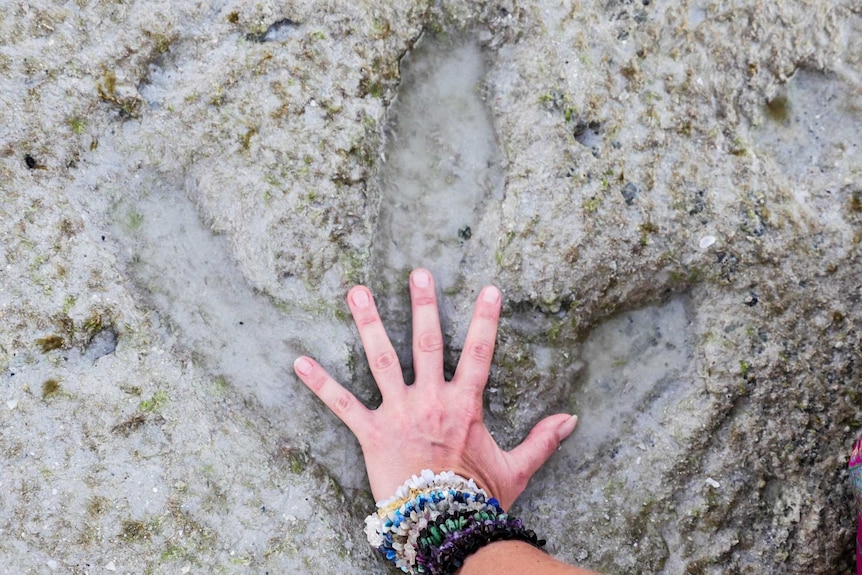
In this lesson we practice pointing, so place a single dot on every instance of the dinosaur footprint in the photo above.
(442, 173)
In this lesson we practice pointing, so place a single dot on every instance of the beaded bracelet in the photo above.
(405, 537)
(444, 552)
(433, 522)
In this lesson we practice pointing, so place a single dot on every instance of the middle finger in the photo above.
(427, 338)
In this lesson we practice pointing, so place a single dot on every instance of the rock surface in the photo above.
(668, 194)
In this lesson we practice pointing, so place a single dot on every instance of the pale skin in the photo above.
(437, 424)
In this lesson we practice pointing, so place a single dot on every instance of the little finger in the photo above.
(338, 399)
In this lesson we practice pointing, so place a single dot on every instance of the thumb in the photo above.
(542, 441)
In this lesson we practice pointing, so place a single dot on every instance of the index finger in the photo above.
(382, 358)
(475, 363)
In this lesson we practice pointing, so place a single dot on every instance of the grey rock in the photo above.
(189, 190)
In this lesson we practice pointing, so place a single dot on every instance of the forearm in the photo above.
(515, 558)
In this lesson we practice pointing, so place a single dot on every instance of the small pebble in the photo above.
(630, 191)
(706, 241)
(582, 555)
(110, 566)
(712, 482)
(12, 403)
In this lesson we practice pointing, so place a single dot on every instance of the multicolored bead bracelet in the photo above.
(433, 522)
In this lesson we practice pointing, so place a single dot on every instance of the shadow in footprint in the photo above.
(204, 309)
(810, 129)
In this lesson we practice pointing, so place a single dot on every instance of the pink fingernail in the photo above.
(567, 427)
(421, 278)
(302, 366)
(360, 298)
(491, 295)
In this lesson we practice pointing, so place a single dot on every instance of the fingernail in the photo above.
(567, 427)
(491, 295)
(360, 298)
(421, 278)
(302, 366)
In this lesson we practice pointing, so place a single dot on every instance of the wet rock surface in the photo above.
(668, 195)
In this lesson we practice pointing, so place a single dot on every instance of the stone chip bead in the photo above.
(434, 521)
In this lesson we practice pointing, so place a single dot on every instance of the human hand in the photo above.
(432, 424)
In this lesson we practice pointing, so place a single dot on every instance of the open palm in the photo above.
(434, 424)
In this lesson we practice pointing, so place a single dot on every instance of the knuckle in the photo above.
(385, 360)
(482, 351)
(316, 380)
(342, 403)
(487, 313)
(364, 320)
(522, 477)
(430, 342)
(373, 438)
(473, 412)
(434, 418)
(550, 444)
(423, 300)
